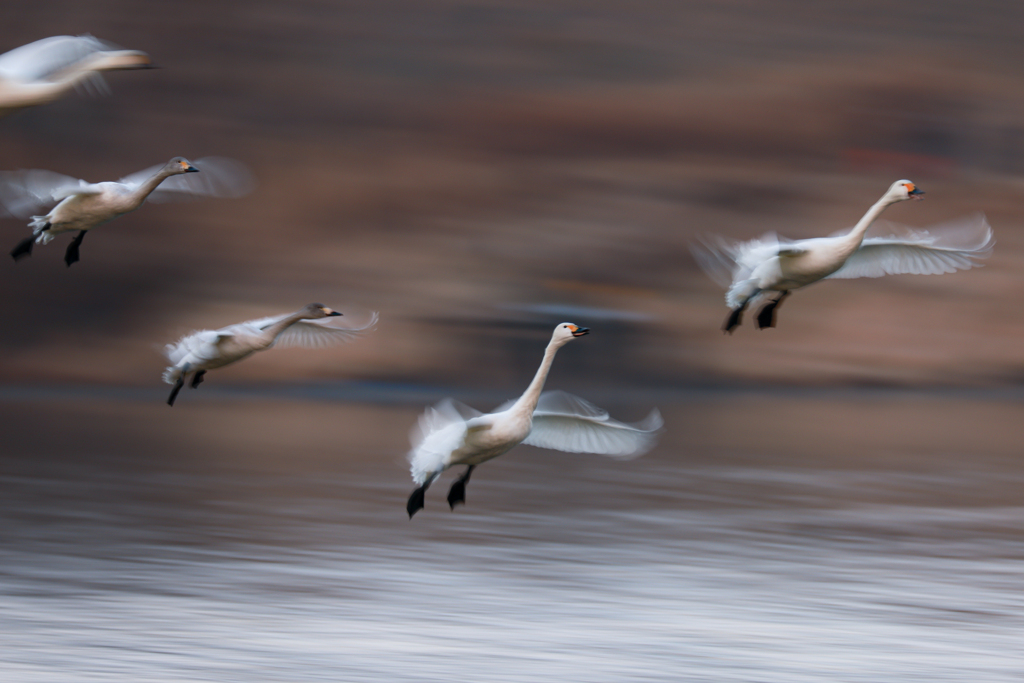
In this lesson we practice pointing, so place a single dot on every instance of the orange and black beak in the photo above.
(331, 313)
(913, 191)
(580, 331)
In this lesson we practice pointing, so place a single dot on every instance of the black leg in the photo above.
(71, 255)
(457, 493)
(197, 379)
(734, 319)
(177, 387)
(24, 248)
(415, 503)
(766, 316)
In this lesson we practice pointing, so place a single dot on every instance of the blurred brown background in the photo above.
(480, 171)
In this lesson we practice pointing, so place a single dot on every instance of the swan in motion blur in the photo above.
(771, 263)
(82, 206)
(47, 69)
(208, 349)
(451, 434)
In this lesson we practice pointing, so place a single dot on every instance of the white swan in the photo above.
(771, 263)
(47, 69)
(451, 434)
(82, 206)
(208, 349)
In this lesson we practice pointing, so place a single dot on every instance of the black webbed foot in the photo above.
(734, 319)
(24, 248)
(457, 493)
(766, 317)
(415, 503)
(197, 379)
(71, 255)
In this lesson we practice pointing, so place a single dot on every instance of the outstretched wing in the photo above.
(565, 422)
(313, 334)
(440, 431)
(25, 193)
(217, 177)
(42, 58)
(726, 261)
(940, 249)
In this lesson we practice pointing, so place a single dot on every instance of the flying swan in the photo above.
(43, 71)
(82, 206)
(775, 264)
(451, 433)
(208, 349)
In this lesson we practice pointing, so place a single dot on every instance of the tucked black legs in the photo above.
(766, 316)
(197, 379)
(457, 493)
(71, 255)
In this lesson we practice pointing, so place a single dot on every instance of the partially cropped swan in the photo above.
(451, 434)
(47, 69)
(775, 264)
(82, 206)
(208, 349)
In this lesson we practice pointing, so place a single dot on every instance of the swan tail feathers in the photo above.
(741, 292)
(172, 374)
(40, 228)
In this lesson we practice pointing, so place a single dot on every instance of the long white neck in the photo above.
(145, 188)
(856, 236)
(527, 403)
(270, 333)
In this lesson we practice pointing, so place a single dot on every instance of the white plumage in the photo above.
(450, 433)
(209, 349)
(45, 70)
(81, 206)
(771, 263)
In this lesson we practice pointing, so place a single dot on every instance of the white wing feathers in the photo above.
(939, 249)
(564, 422)
(23, 193)
(314, 334)
(43, 58)
(199, 347)
(217, 177)
(726, 261)
(440, 430)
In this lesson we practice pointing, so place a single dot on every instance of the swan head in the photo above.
(566, 332)
(179, 165)
(313, 311)
(903, 190)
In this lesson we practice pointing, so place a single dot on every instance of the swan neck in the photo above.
(146, 187)
(856, 236)
(271, 332)
(527, 403)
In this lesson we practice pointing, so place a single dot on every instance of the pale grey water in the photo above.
(561, 568)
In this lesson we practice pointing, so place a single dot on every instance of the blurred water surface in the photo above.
(724, 563)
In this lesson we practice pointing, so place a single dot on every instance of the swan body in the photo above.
(81, 206)
(43, 71)
(774, 264)
(451, 434)
(209, 349)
